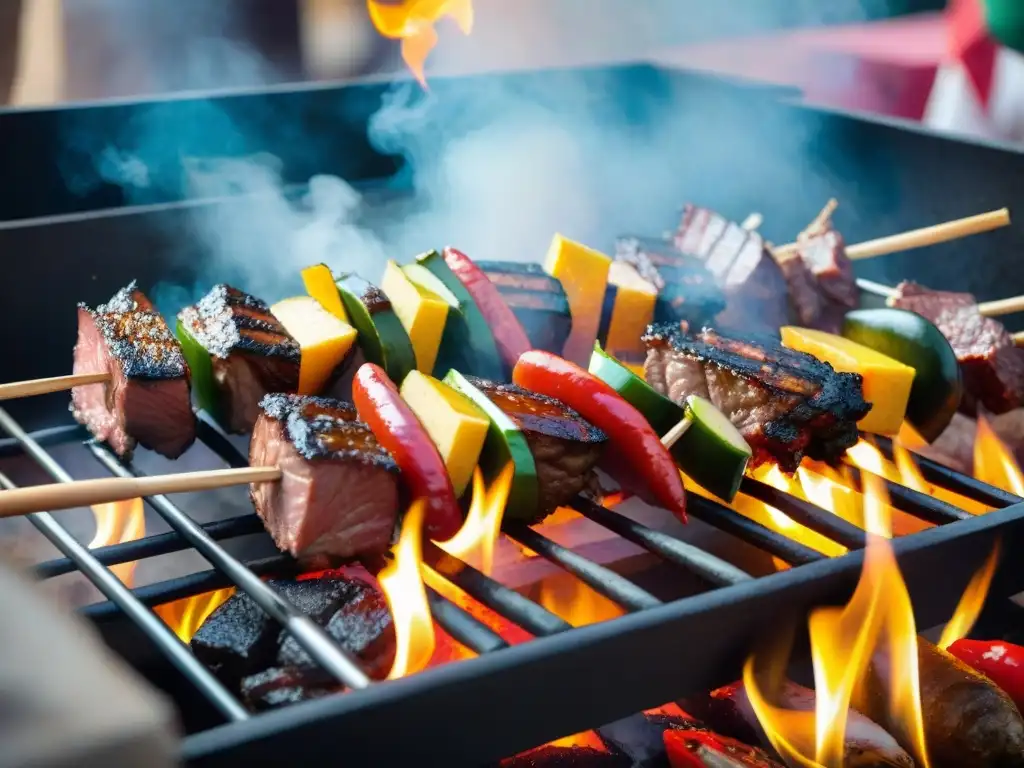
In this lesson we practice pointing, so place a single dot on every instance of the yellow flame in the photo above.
(412, 22)
(475, 541)
(994, 462)
(972, 601)
(116, 523)
(568, 597)
(187, 615)
(407, 597)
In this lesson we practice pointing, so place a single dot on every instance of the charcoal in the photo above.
(279, 686)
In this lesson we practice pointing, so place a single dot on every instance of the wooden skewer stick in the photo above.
(753, 222)
(672, 436)
(1018, 339)
(46, 386)
(986, 308)
(85, 493)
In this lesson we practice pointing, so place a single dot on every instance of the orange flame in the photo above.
(475, 541)
(187, 615)
(972, 601)
(407, 598)
(412, 22)
(566, 596)
(116, 523)
(994, 462)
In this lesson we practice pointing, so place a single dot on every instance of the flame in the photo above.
(971, 602)
(475, 541)
(412, 22)
(585, 740)
(407, 598)
(844, 640)
(566, 596)
(994, 462)
(116, 523)
(187, 615)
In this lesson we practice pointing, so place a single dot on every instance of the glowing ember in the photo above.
(971, 603)
(117, 523)
(407, 598)
(412, 22)
(475, 541)
(994, 462)
(187, 615)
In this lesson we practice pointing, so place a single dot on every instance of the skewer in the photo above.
(46, 386)
(84, 493)
(995, 308)
(753, 222)
(672, 436)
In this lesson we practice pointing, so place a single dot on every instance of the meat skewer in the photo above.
(995, 308)
(33, 387)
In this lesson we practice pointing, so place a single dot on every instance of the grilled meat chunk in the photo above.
(338, 495)
(754, 285)
(250, 352)
(787, 404)
(147, 398)
(565, 446)
(536, 298)
(823, 250)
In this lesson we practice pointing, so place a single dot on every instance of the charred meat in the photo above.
(536, 298)
(754, 285)
(147, 398)
(338, 495)
(787, 404)
(992, 366)
(565, 446)
(251, 354)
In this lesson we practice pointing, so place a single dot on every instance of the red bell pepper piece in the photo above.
(703, 749)
(1002, 663)
(396, 428)
(641, 461)
(508, 332)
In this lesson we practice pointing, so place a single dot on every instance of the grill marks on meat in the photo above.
(338, 495)
(991, 364)
(148, 396)
(565, 446)
(251, 353)
(787, 404)
(754, 285)
(536, 298)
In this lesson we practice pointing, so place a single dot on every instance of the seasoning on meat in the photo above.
(992, 366)
(786, 404)
(338, 494)
(565, 447)
(251, 354)
(147, 398)
(754, 285)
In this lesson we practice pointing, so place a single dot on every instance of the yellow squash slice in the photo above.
(320, 285)
(421, 312)
(322, 337)
(583, 273)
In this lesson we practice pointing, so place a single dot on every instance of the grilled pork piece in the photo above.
(823, 250)
(787, 404)
(755, 288)
(338, 495)
(992, 366)
(251, 353)
(536, 298)
(565, 446)
(147, 398)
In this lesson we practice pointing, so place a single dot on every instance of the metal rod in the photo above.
(610, 584)
(211, 435)
(150, 624)
(68, 433)
(819, 520)
(920, 505)
(694, 559)
(506, 602)
(313, 638)
(745, 529)
(458, 623)
(153, 546)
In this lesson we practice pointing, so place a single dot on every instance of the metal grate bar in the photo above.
(920, 505)
(313, 638)
(68, 433)
(745, 529)
(819, 520)
(610, 584)
(507, 602)
(465, 628)
(693, 559)
(153, 546)
(120, 595)
(210, 434)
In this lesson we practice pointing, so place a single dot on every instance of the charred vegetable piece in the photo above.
(505, 443)
(1002, 663)
(381, 336)
(644, 465)
(423, 314)
(396, 427)
(583, 273)
(468, 343)
(323, 339)
(628, 310)
(456, 425)
(320, 285)
(887, 382)
(911, 339)
(536, 298)
(701, 749)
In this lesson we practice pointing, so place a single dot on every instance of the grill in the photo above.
(507, 699)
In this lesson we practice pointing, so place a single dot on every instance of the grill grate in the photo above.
(460, 624)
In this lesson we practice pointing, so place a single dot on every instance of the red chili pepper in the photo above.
(396, 428)
(1002, 663)
(702, 749)
(640, 460)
